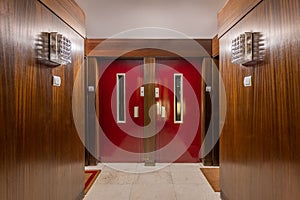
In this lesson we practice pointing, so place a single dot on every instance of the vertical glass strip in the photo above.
(178, 98)
(121, 114)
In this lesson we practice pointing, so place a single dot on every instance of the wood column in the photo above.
(149, 115)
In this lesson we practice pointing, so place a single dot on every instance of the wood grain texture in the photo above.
(213, 177)
(149, 100)
(215, 46)
(41, 154)
(70, 12)
(232, 12)
(140, 47)
(260, 140)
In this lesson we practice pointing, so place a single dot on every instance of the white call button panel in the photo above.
(156, 92)
(142, 93)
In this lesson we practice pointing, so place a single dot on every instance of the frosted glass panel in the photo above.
(178, 114)
(121, 116)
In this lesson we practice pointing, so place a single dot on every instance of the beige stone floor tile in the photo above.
(178, 181)
(109, 192)
(157, 177)
(194, 192)
(141, 168)
(122, 167)
(187, 177)
(156, 191)
(116, 178)
(185, 167)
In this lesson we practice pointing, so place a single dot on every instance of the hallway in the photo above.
(130, 84)
(178, 181)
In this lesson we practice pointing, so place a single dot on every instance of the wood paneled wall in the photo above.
(41, 155)
(70, 12)
(215, 47)
(232, 12)
(116, 47)
(260, 142)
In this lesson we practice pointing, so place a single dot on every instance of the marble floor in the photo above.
(182, 181)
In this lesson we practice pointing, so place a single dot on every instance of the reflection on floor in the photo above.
(182, 181)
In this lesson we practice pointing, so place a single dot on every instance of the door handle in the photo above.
(163, 112)
(158, 108)
(136, 111)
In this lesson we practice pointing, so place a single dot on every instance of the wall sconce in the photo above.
(248, 49)
(54, 49)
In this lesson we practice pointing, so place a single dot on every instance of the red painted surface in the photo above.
(186, 136)
(123, 142)
(120, 142)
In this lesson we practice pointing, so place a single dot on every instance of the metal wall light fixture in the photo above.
(54, 49)
(60, 49)
(248, 49)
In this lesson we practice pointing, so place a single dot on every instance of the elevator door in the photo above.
(178, 104)
(121, 110)
(150, 112)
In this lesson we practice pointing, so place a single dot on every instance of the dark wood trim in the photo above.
(115, 47)
(149, 100)
(215, 47)
(70, 12)
(233, 12)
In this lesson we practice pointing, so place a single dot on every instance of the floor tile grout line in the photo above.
(130, 193)
(176, 198)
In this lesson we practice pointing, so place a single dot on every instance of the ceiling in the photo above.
(172, 18)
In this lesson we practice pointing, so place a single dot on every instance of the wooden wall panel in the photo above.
(149, 141)
(260, 142)
(70, 12)
(115, 47)
(215, 46)
(41, 154)
(232, 12)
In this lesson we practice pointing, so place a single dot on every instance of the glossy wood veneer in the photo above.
(70, 12)
(41, 154)
(260, 140)
(140, 47)
(232, 12)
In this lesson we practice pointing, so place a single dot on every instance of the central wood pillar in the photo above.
(149, 115)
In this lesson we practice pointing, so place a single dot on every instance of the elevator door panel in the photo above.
(121, 111)
(179, 114)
